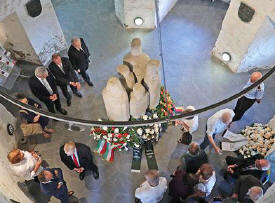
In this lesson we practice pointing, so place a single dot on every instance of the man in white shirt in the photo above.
(247, 100)
(152, 190)
(217, 124)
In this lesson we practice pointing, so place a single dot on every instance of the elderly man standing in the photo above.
(192, 160)
(247, 100)
(65, 75)
(216, 124)
(152, 190)
(78, 157)
(247, 189)
(79, 56)
(43, 86)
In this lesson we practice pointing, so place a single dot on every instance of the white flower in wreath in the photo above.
(145, 117)
(136, 145)
(116, 131)
(144, 136)
(110, 135)
(108, 139)
(124, 128)
(152, 132)
(124, 144)
(126, 149)
(128, 136)
(105, 137)
(156, 130)
(92, 129)
(147, 130)
(105, 128)
(139, 131)
(115, 139)
(98, 136)
(155, 116)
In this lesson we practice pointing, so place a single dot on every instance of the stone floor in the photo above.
(189, 32)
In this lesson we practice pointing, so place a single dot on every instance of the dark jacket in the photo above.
(243, 184)
(51, 187)
(39, 90)
(84, 156)
(79, 59)
(243, 163)
(28, 116)
(63, 78)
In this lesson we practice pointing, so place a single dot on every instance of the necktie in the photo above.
(48, 87)
(61, 68)
(75, 161)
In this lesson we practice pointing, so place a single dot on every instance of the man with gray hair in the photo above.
(247, 100)
(42, 85)
(152, 190)
(247, 189)
(216, 124)
(79, 56)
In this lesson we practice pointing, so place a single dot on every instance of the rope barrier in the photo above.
(132, 123)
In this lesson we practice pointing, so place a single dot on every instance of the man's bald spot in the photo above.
(226, 117)
(255, 76)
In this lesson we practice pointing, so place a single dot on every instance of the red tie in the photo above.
(75, 161)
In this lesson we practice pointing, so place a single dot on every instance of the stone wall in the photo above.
(237, 36)
(8, 181)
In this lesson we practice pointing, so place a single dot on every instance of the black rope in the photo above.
(132, 123)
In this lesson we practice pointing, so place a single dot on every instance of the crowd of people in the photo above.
(192, 181)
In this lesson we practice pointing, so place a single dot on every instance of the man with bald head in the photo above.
(217, 124)
(79, 57)
(247, 100)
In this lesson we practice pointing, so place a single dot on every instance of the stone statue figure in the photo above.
(127, 78)
(136, 59)
(139, 101)
(152, 82)
(116, 100)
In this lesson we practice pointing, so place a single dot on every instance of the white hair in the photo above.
(40, 71)
(267, 166)
(255, 193)
(74, 39)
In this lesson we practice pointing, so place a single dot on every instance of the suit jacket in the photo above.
(39, 90)
(63, 78)
(84, 156)
(243, 184)
(51, 187)
(243, 163)
(79, 59)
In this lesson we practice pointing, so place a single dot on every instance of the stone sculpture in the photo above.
(152, 82)
(116, 100)
(136, 59)
(139, 101)
(127, 77)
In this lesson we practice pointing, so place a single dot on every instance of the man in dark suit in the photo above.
(255, 166)
(52, 184)
(65, 75)
(247, 189)
(79, 56)
(78, 157)
(43, 86)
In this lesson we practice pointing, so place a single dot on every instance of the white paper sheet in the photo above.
(233, 146)
(233, 137)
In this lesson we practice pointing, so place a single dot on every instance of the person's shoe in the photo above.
(77, 93)
(96, 174)
(49, 130)
(69, 102)
(82, 175)
(46, 135)
(90, 83)
(63, 111)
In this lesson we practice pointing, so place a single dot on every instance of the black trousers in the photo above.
(51, 104)
(43, 121)
(65, 92)
(243, 104)
(85, 76)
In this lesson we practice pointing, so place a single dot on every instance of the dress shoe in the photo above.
(82, 175)
(69, 102)
(63, 111)
(96, 174)
(49, 130)
(77, 93)
(90, 83)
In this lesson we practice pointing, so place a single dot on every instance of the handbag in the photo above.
(30, 128)
(186, 138)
